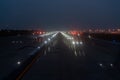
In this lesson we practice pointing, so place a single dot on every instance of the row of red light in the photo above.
(38, 33)
(75, 33)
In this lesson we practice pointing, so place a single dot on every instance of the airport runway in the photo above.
(60, 62)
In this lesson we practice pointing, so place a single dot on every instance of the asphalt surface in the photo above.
(12, 50)
(59, 62)
(15, 50)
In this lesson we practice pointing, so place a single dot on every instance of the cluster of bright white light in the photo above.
(77, 43)
(47, 34)
(72, 39)
(102, 65)
(54, 34)
(67, 36)
(46, 41)
(49, 39)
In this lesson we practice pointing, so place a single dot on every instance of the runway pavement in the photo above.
(60, 62)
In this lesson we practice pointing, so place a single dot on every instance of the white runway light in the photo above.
(111, 65)
(18, 62)
(67, 36)
(89, 37)
(73, 42)
(45, 42)
(77, 43)
(49, 39)
(38, 47)
(101, 65)
(81, 42)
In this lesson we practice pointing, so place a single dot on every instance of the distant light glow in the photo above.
(77, 43)
(38, 47)
(33, 33)
(81, 42)
(40, 32)
(49, 39)
(67, 36)
(111, 65)
(75, 53)
(18, 62)
(89, 37)
(47, 34)
(74, 32)
(101, 64)
(70, 38)
(45, 42)
(54, 35)
(73, 42)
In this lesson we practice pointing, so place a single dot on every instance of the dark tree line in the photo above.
(6, 32)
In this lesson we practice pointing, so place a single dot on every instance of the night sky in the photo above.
(56, 14)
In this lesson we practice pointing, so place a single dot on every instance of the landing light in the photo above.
(101, 64)
(89, 37)
(111, 65)
(81, 42)
(38, 47)
(45, 42)
(77, 43)
(73, 42)
(49, 39)
(78, 34)
(18, 62)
